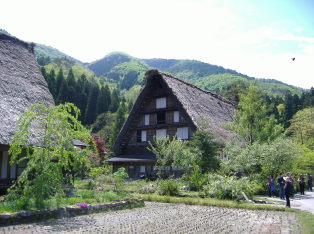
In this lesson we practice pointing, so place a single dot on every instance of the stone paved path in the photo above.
(168, 218)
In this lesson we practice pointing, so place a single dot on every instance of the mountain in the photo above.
(120, 68)
(42, 51)
(127, 71)
(47, 53)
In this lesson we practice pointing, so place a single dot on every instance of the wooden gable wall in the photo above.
(157, 89)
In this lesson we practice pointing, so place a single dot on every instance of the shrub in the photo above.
(168, 187)
(224, 187)
(197, 180)
(147, 189)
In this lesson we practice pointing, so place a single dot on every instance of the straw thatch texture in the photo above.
(206, 109)
(21, 84)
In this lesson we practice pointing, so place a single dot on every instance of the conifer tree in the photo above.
(63, 95)
(59, 81)
(82, 89)
(120, 118)
(71, 87)
(52, 84)
(114, 104)
(90, 113)
(102, 102)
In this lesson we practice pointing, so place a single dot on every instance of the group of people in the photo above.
(286, 188)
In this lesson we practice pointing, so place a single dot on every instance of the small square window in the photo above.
(141, 136)
(161, 103)
(183, 133)
(160, 133)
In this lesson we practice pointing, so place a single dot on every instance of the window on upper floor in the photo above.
(161, 117)
(146, 119)
(141, 136)
(160, 133)
(183, 133)
(176, 116)
(161, 103)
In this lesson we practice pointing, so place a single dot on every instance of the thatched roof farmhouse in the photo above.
(168, 106)
(21, 85)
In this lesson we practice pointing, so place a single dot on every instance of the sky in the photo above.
(254, 37)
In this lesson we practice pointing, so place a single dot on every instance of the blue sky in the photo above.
(257, 38)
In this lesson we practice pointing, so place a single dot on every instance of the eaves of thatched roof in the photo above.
(205, 110)
(21, 84)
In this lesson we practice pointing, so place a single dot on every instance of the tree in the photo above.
(251, 122)
(268, 158)
(51, 155)
(171, 152)
(119, 121)
(71, 87)
(302, 126)
(114, 101)
(64, 94)
(59, 81)
(102, 102)
(90, 113)
(202, 144)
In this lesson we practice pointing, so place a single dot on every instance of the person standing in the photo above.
(271, 186)
(301, 181)
(281, 183)
(288, 184)
(309, 181)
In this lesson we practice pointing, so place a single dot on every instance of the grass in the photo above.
(306, 220)
(208, 202)
(86, 196)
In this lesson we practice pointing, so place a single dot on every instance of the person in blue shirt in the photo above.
(281, 183)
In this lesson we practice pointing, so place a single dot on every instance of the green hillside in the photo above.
(43, 51)
(66, 65)
(126, 71)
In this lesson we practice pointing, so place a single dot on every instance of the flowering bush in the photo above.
(82, 204)
(224, 187)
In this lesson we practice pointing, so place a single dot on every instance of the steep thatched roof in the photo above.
(204, 109)
(21, 84)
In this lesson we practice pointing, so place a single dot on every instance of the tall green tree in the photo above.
(102, 102)
(115, 100)
(52, 84)
(251, 122)
(204, 146)
(71, 87)
(59, 80)
(302, 126)
(53, 152)
(120, 118)
(91, 107)
(171, 152)
(82, 93)
(63, 95)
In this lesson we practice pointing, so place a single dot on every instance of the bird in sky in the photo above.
(292, 59)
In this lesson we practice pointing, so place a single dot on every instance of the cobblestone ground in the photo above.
(168, 218)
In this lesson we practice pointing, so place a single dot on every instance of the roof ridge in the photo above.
(29, 46)
(194, 86)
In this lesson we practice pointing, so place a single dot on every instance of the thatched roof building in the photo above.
(169, 106)
(21, 84)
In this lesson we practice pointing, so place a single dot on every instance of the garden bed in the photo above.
(68, 211)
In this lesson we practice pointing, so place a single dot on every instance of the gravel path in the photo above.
(168, 218)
